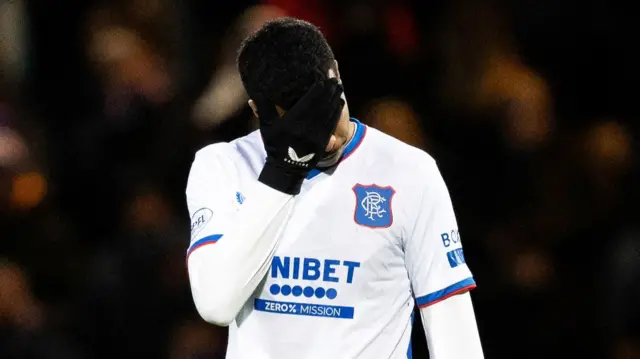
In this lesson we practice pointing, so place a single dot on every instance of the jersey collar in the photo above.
(350, 148)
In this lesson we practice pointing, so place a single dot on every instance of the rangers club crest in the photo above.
(373, 205)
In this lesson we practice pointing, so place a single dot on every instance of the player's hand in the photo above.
(296, 141)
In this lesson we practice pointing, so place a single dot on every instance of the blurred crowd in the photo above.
(528, 106)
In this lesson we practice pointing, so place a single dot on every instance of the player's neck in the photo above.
(352, 132)
(333, 158)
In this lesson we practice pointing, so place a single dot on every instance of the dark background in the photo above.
(530, 108)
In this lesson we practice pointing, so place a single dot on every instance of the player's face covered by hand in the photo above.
(342, 128)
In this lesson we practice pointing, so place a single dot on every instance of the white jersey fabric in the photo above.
(363, 242)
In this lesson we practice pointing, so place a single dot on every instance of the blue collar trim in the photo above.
(353, 144)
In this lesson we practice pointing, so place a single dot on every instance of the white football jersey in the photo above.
(365, 241)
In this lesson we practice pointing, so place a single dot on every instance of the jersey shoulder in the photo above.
(410, 171)
(242, 150)
(229, 161)
(403, 158)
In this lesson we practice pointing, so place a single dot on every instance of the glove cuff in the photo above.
(280, 179)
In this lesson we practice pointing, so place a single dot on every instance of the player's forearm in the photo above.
(224, 275)
(451, 329)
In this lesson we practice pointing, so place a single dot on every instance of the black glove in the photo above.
(297, 141)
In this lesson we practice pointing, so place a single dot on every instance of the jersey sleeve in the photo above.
(210, 194)
(451, 329)
(433, 250)
(233, 234)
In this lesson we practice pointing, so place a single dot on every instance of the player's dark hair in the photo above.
(279, 61)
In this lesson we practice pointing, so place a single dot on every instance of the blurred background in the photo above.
(529, 107)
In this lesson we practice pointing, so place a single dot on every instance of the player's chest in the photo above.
(335, 216)
(341, 247)
(343, 235)
(344, 225)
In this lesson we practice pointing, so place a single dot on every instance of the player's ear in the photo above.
(335, 65)
(254, 108)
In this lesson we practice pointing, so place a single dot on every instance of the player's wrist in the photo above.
(281, 179)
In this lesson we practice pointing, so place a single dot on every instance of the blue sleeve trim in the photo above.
(204, 241)
(445, 293)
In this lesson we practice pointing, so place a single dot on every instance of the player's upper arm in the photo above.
(451, 329)
(433, 251)
(211, 198)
